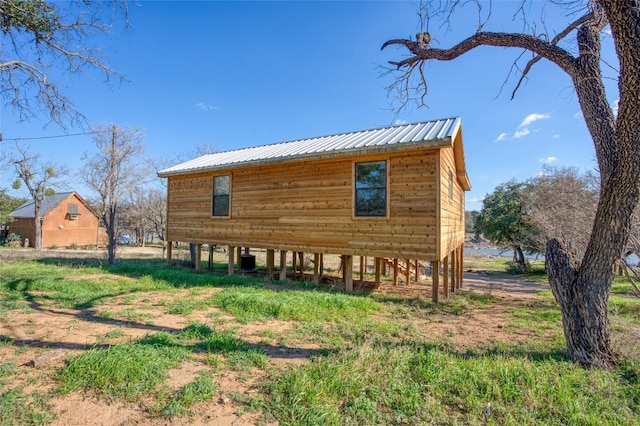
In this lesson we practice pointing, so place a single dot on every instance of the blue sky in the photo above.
(238, 74)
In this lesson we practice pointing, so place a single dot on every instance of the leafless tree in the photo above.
(42, 39)
(159, 200)
(561, 203)
(40, 179)
(145, 213)
(156, 211)
(113, 171)
(581, 288)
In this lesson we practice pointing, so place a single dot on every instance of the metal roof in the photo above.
(28, 209)
(434, 133)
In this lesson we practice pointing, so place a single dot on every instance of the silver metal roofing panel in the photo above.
(323, 146)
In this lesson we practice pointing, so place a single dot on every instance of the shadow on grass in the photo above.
(172, 275)
(180, 276)
(168, 337)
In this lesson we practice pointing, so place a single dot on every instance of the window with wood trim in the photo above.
(221, 191)
(371, 189)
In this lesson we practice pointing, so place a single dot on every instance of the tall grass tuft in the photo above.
(126, 371)
(199, 390)
(254, 303)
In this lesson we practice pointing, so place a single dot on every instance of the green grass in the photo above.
(373, 360)
(200, 390)
(127, 371)
(185, 306)
(505, 266)
(337, 335)
(19, 408)
(133, 315)
(625, 307)
(113, 334)
(7, 369)
(621, 286)
(68, 286)
(256, 303)
(419, 384)
(82, 284)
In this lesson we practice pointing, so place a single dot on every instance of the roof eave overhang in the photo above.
(369, 150)
(458, 153)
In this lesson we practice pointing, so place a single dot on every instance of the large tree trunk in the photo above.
(518, 257)
(584, 307)
(37, 244)
(583, 290)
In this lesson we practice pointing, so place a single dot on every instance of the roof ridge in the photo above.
(353, 132)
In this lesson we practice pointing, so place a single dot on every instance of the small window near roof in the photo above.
(72, 210)
(221, 191)
(371, 189)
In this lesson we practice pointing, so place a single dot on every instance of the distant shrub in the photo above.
(53, 247)
(73, 246)
(13, 240)
(13, 237)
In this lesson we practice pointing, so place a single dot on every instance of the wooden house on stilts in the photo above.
(396, 194)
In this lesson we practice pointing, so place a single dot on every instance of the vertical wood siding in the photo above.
(24, 227)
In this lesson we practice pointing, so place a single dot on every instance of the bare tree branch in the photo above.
(571, 27)
(555, 54)
(41, 37)
(40, 179)
(113, 172)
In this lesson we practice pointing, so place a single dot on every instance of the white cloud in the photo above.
(577, 114)
(521, 133)
(615, 107)
(556, 136)
(399, 122)
(548, 160)
(205, 107)
(533, 117)
(501, 137)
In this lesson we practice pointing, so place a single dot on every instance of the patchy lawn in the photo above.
(144, 343)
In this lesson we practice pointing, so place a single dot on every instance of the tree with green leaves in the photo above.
(40, 178)
(44, 39)
(582, 288)
(503, 220)
(8, 204)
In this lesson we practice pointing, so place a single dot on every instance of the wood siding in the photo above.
(309, 206)
(58, 229)
(25, 227)
(451, 206)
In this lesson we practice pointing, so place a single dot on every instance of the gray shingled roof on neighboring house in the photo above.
(28, 209)
(434, 132)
